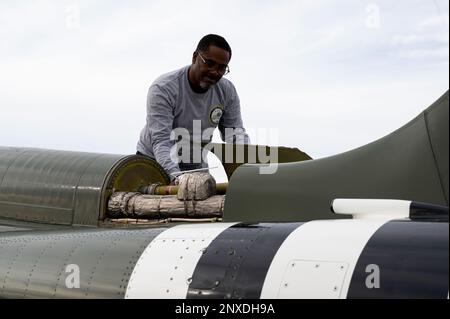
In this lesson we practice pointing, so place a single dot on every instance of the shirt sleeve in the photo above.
(160, 121)
(231, 126)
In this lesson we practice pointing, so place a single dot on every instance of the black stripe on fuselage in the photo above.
(412, 258)
(235, 264)
(428, 212)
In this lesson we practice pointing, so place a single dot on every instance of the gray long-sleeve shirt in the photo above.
(172, 104)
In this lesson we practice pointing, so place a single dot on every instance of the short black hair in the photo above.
(213, 39)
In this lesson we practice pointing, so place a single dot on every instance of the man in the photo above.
(197, 99)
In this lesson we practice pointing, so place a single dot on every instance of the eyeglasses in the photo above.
(222, 69)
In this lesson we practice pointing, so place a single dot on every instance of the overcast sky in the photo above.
(330, 76)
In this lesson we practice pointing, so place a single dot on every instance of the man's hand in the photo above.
(196, 186)
(175, 182)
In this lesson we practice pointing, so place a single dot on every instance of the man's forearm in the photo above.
(163, 157)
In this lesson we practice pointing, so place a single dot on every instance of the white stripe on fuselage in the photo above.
(166, 266)
(317, 260)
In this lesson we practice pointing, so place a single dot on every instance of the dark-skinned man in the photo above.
(195, 99)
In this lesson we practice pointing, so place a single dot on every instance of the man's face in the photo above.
(209, 66)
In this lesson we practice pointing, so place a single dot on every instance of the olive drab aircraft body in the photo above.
(368, 223)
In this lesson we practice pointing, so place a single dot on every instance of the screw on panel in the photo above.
(285, 285)
(317, 266)
(335, 289)
(293, 264)
(189, 280)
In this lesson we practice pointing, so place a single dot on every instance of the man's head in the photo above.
(209, 61)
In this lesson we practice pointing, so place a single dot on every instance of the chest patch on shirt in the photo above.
(215, 114)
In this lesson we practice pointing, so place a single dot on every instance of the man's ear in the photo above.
(194, 57)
